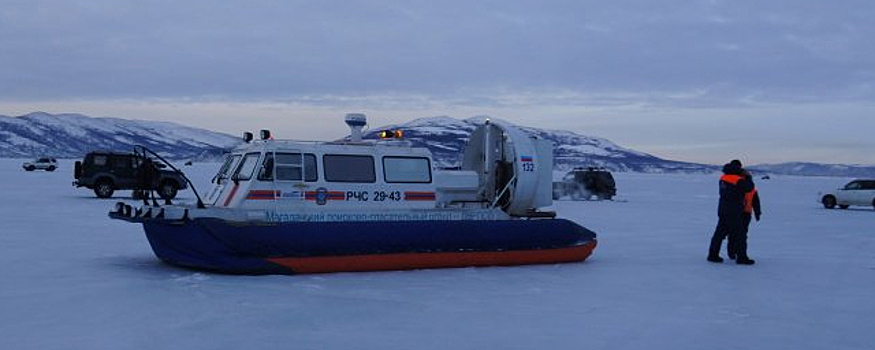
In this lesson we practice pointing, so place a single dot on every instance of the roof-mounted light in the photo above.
(247, 137)
(391, 134)
(265, 134)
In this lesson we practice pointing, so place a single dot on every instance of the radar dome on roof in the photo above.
(356, 122)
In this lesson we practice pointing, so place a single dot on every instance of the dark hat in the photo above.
(732, 168)
(736, 162)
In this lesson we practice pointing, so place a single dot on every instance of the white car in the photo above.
(857, 192)
(44, 163)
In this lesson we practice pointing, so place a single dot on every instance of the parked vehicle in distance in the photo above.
(856, 192)
(586, 183)
(106, 172)
(42, 163)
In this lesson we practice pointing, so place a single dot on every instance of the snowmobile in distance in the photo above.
(589, 183)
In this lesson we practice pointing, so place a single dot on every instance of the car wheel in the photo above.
(576, 194)
(103, 189)
(139, 194)
(30, 168)
(844, 206)
(51, 168)
(829, 201)
(168, 189)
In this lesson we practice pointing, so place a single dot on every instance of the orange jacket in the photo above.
(733, 179)
(748, 201)
(752, 203)
(732, 190)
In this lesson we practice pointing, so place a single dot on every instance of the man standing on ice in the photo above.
(733, 187)
(751, 208)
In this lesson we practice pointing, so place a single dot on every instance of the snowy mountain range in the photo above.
(73, 135)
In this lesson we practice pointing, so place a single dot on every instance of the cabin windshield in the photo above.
(246, 167)
(227, 167)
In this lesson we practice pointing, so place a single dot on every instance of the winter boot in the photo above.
(744, 261)
(715, 259)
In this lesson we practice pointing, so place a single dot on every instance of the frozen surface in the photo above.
(74, 279)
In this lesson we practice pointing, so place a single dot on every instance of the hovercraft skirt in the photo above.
(308, 247)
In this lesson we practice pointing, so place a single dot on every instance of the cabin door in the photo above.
(293, 170)
(222, 178)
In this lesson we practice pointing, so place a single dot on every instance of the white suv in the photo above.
(857, 192)
(43, 163)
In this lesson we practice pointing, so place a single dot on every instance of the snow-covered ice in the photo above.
(71, 278)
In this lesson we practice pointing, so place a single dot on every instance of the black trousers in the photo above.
(727, 226)
(738, 244)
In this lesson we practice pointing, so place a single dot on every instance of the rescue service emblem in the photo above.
(321, 195)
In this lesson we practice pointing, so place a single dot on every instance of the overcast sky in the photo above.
(704, 81)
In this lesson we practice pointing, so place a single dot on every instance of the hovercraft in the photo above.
(290, 207)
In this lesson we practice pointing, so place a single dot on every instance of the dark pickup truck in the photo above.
(106, 172)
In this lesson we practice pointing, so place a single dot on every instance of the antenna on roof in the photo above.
(356, 122)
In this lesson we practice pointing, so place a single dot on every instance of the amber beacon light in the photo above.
(391, 134)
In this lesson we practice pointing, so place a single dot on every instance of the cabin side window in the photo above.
(853, 185)
(288, 167)
(99, 160)
(120, 162)
(349, 168)
(246, 167)
(406, 170)
(265, 172)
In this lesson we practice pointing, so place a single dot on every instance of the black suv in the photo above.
(105, 172)
(584, 183)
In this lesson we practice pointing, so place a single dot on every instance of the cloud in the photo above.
(644, 74)
(277, 49)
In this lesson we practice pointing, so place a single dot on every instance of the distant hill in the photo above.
(73, 135)
(816, 169)
(446, 138)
